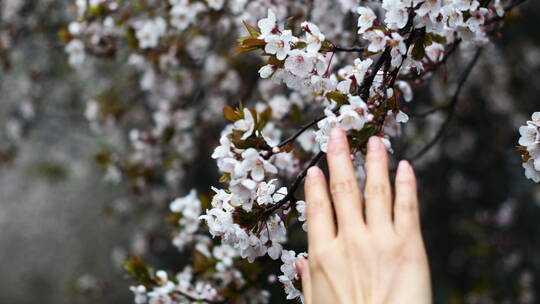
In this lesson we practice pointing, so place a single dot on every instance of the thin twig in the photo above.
(430, 111)
(368, 81)
(296, 184)
(300, 131)
(451, 107)
(352, 49)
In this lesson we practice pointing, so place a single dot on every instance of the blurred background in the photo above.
(64, 231)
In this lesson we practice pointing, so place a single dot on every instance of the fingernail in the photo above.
(374, 144)
(336, 135)
(313, 171)
(403, 167)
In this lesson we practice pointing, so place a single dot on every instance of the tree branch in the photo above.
(368, 81)
(350, 50)
(300, 131)
(451, 107)
(296, 184)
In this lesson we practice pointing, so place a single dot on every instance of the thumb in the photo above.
(302, 267)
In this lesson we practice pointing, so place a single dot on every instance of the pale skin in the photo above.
(374, 256)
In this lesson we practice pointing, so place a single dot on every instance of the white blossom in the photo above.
(267, 25)
(402, 117)
(366, 19)
(266, 71)
(299, 63)
(396, 15)
(279, 45)
(76, 52)
(377, 40)
(150, 31)
(314, 37)
(247, 124)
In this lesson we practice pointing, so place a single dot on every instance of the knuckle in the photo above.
(316, 261)
(407, 206)
(343, 186)
(404, 181)
(350, 236)
(376, 157)
(314, 205)
(377, 190)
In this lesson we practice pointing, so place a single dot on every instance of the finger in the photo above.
(302, 267)
(378, 191)
(320, 217)
(406, 206)
(343, 184)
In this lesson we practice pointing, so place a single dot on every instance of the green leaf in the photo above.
(358, 139)
(300, 45)
(244, 219)
(203, 264)
(418, 52)
(138, 271)
(438, 38)
(325, 46)
(295, 113)
(225, 178)
(338, 97)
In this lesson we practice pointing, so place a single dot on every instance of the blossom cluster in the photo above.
(184, 75)
(251, 189)
(177, 290)
(529, 147)
(290, 275)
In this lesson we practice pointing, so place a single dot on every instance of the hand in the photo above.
(366, 257)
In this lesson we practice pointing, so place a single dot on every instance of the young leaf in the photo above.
(230, 114)
(338, 97)
(252, 30)
(138, 271)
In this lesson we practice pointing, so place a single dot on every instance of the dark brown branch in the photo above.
(352, 49)
(435, 66)
(300, 131)
(368, 81)
(294, 187)
(451, 107)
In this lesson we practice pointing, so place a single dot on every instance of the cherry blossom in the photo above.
(366, 19)
(529, 147)
(267, 25)
(314, 37)
(247, 124)
(377, 40)
(299, 63)
(396, 15)
(279, 45)
(149, 32)
(334, 76)
(266, 71)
